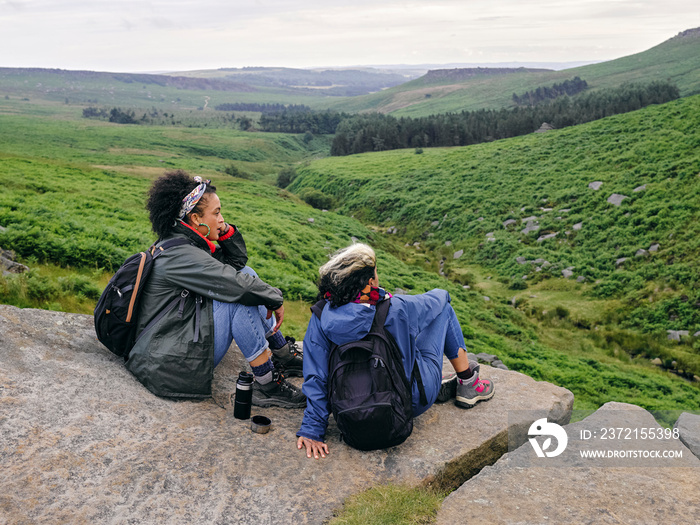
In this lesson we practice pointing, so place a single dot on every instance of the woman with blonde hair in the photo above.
(423, 326)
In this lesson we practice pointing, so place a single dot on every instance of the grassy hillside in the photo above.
(85, 88)
(479, 200)
(39, 133)
(71, 220)
(677, 59)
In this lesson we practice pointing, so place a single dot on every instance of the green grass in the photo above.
(390, 504)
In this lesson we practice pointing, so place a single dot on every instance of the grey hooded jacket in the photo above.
(174, 351)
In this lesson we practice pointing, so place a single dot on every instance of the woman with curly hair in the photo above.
(423, 326)
(200, 296)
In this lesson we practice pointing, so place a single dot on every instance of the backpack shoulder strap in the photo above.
(381, 313)
(317, 309)
(379, 322)
(170, 243)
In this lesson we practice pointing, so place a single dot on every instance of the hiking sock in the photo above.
(263, 373)
(466, 374)
(276, 340)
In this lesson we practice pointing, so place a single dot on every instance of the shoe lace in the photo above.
(293, 347)
(283, 384)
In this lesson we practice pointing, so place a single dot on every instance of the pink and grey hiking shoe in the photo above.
(471, 391)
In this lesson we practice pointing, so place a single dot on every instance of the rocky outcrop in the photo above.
(688, 426)
(81, 441)
(9, 265)
(523, 488)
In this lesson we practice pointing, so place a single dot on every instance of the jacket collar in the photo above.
(192, 234)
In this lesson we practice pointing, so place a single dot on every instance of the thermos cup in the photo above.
(244, 396)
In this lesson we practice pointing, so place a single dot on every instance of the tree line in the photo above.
(262, 108)
(541, 94)
(316, 122)
(377, 132)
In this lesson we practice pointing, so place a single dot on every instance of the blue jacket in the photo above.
(407, 317)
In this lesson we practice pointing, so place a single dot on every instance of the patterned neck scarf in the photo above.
(189, 202)
(372, 295)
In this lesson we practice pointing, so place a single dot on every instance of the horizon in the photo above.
(182, 36)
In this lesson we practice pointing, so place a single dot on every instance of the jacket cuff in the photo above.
(307, 435)
(229, 234)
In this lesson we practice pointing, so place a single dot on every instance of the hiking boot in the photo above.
(448, 388)
(289, 359)
(278, 393)
(471, 391)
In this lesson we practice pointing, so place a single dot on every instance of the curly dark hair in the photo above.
(165, 199)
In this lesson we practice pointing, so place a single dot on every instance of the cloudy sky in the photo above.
(179, 35)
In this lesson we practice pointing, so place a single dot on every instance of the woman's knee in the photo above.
(248, 270)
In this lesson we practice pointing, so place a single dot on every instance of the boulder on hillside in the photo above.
(569, 488)
(595, 185)
(640, 188)
(9, 265)
(616, 199)
(545, 127)
(675, 335)
(458, 254)
(83, 441)
(548, 236)
(531, 226)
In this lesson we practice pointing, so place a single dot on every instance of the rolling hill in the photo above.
(677, 59)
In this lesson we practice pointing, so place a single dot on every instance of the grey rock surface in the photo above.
(566, 273)
(458, 254)
(81, 441)
(9, 265)
(509, 222)
(616, 199)
(675, 335)
(640, 188)
(577, 226)
(548, 236)
(524, 489)
(654, 248)
(531, 226)
(595, 185)
(688, 426)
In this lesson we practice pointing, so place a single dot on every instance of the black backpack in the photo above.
(369, 394)
(115, 313)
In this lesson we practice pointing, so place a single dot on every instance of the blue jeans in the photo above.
(244, 324)
(442, 336)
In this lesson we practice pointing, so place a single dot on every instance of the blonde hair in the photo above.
(347, 273)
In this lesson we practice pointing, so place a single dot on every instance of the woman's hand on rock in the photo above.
(312, 447)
